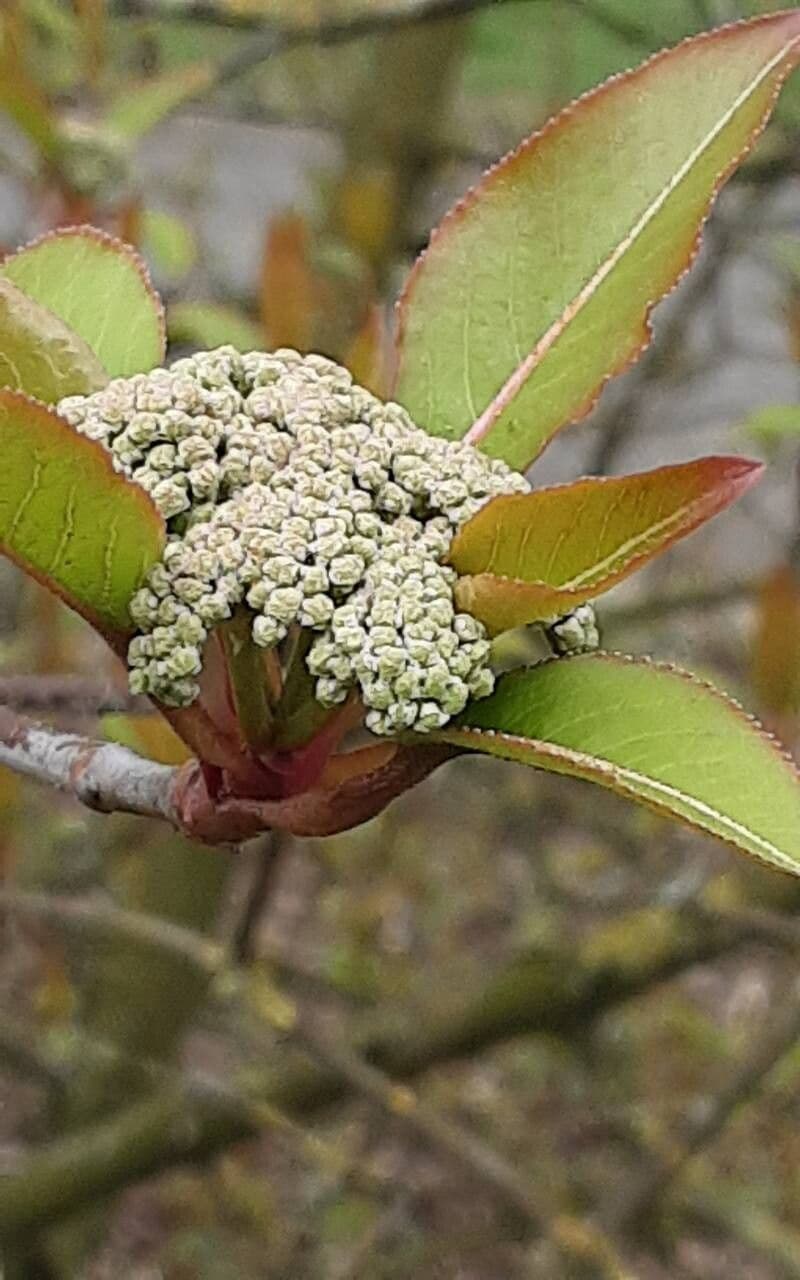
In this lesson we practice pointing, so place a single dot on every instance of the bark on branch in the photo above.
(101, 775)
(112, 779)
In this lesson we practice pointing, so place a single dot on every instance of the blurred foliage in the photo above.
(124, 113)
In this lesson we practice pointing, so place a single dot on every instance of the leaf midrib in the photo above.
(618, 559)
(515, 382)
(624, 554)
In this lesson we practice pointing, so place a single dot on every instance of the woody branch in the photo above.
(101, 775)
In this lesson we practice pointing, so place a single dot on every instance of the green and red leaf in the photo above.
(538, 286)
(101, 289)
(653, 734)
(39, 354)
(68, 518)
(532, 557)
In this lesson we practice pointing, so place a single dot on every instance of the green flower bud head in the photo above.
(294, 493)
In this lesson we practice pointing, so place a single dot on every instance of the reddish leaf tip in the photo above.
(790, 18)
(592, 533)
(740, 472)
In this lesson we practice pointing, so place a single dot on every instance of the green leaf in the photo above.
(21, 99)
(68, 518)
(532, 557)
(39, 354)
(652, 733)
(774, 423)
(785, 250)
(299, 717)
(139, 107)
(21, 93)
(100, 288)
(209, 325)
(168, 242)
(537, 287)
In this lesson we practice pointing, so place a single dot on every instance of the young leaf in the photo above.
(247, 674)
(210, 324)
(22, 99)
(101, 289)
(139, 107)
(39, 354)
(652, 733)
(538, 286)
(533, 556)
(772, 424)
(68, 518)
(168, 242)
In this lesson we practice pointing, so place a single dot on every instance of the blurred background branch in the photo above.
(452, 1041)
(73, 695)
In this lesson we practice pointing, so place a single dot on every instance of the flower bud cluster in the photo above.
(399, 638)
(576, 632)
(292, 492)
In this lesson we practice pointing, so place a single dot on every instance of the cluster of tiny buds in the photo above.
(576, 632)
(293, 493)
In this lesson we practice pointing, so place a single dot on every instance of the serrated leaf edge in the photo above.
(496, 171)
(86, 231)
(703, 507)
(113, 636)
(602, 770)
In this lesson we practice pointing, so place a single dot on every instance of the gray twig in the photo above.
(98, 914)
(102, 775)
(268, 856)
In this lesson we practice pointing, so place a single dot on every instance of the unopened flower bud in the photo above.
(286, 486)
